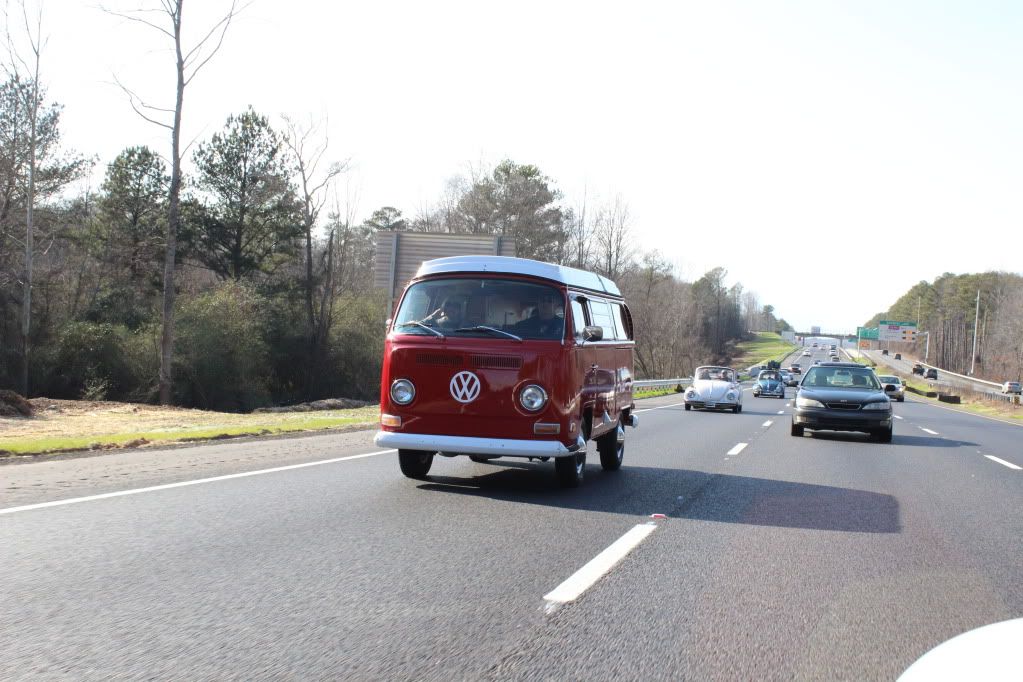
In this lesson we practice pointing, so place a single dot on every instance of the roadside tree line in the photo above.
(948, 309)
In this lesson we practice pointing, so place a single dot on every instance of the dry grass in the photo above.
(75, 425)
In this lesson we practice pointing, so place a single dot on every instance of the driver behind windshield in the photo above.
(448, 315)
(545, 323)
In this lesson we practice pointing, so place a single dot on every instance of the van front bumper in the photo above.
(463, 445)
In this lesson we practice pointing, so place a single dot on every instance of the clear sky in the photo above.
(828, 154)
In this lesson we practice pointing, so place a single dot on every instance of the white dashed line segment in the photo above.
(767, 423)
(933, 433)
(1003, 462)
(737, 449)
(897, 416)
(598, 566)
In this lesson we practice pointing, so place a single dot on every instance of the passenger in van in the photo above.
(545, 323)
(448, 315)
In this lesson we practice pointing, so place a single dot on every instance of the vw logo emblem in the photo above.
(465, 387)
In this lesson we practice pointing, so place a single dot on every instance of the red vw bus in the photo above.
(490, 356)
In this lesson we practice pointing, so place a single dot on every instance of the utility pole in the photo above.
(976, 321)
(927, 346)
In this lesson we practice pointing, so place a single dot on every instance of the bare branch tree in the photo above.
(307, 144)
(20, 68)
(188, 63)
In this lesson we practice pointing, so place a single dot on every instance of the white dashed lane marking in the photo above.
(898, 417)
(933, 433)
(767, 423)
(737, 449)
(1003, 462)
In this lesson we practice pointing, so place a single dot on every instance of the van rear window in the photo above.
(482, 307)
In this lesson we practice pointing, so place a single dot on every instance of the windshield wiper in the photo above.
(417, 323)
(492, 330)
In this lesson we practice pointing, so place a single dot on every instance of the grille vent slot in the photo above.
(440, 359)
(495, 361)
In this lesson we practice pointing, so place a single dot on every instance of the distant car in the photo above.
(918, 369)
(789, 379)
(884, 351)
(898, 356)
(842, 396)
(807, 353)
(795, 368)
(714, 388)
(1012, 387)
(931, 373)
(769, 384)
(900, 389)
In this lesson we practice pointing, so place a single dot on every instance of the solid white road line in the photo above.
(598, 566)
(662, 407)
(182, 484)
(933, 433)
(1003, 462)
(767, 423)
(737, 449)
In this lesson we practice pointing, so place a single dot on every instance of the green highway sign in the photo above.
(885, 323)
(866, 333)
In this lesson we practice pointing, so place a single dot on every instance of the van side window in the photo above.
(578, 317)
(623, 320)
(600, 316)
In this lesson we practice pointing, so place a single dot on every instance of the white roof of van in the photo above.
(522, 266)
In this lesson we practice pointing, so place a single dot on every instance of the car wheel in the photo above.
(739, 409)
(883, 436)
(611, 447)
(480, 458)
(735, 409)
(688, 407)
(797, 430)
(570, 470)
(415, 463)
(902, 398)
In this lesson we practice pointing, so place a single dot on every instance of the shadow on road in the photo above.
(897, 439)
(683, 494)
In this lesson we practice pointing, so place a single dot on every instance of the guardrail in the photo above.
(662, 383)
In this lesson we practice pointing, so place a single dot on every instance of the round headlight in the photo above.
(402, 391)
(731, 395)
(533, 397)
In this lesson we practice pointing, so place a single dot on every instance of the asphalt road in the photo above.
(945, 381)
(822, 557)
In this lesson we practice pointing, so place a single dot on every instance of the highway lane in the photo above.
(824, 556)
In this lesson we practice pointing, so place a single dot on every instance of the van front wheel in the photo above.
(611, 447)
(415, 463)
(570, 470)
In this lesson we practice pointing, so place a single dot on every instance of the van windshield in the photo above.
(479, 306)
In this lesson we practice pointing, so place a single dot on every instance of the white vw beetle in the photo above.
(714, 388)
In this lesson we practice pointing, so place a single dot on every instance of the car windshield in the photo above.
(841, 377)
(714, 374)
(481, 307)
(770, 376)
(889, 379)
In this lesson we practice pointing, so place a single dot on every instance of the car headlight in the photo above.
(731, 395)
(533, 397)
(808, 402)
(402, 391)
(691, 393)
(878, 406)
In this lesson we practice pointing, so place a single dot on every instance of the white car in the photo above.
(1012, 387)
(900, 389)
(714, 388)
(806, 353)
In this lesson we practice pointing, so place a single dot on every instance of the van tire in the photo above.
(611, 447)
(415, 463)
(570, 470)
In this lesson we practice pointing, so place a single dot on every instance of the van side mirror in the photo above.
(593, 333)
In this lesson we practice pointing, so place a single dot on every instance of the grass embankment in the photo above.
(63, 425)
(653, 393)
(765, 346)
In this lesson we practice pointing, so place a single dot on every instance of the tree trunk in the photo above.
(173, 218)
